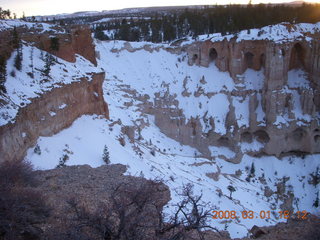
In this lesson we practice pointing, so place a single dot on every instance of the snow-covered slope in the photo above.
(133, 81)
(278, 33)
(39, 27)
(22, 87)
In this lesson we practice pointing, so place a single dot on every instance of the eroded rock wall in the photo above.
(74, 41)
(51, 113)
(276, 59)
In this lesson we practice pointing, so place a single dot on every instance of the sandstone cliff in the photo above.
(76, 40)
(72, 91)
(50, 113)
(278, 97)
(264, 90)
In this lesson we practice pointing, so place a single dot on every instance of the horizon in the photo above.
(40, 8)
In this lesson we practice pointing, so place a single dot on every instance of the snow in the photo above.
(21, 87)
(278, 33)
(40, 27)
(297, 78)
(199, 93)
(52, 114)
(242, 111)
(162, 72)
(253, 79)
(62, 106)
(109, 19)
(254, 146)
(222, 151)
(160, 75)
(178, 165)
(298, 109)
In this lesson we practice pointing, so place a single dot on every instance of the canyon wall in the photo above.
(293, 136)
(76, 40)
(51, 113)
(54, 110)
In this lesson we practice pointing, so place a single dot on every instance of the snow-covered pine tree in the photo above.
(37, 150)
(48, 62)
(106, 155)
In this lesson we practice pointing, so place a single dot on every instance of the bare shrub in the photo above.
(21, 207)
(133, 213)
(16, 173)
(191, 215)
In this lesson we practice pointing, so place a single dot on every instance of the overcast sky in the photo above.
(46, 7)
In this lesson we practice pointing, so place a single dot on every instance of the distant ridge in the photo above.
(140, 9)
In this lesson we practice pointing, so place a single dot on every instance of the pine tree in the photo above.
(63, 160)
(231, 189)
(252, 170)
(31, 63)
(37, 150)
(3, 74)
(15, 38)
(54, 44)
(106, 155)
(16, 43)
(47, 64)
(316, 202)
(18, 61)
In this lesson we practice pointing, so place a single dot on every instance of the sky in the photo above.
(47, 7)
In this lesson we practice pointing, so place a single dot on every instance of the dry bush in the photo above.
(21, 207)
(135, 213)
(16, 173)
(131, 212)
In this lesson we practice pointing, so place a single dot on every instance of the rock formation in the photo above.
(51, 113)
(57, 109)
(275, 59)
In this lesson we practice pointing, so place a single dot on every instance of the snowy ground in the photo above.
(84, 142)
(22, 87)
(153, 155)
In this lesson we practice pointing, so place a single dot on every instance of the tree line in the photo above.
(171, 25)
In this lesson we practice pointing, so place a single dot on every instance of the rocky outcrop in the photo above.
(51, 113)
(295, 228)
(276, 59)
(81, 202)
(64, 43)
(76, 40)
(5, 48)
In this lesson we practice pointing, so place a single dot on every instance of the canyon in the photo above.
(217, 111)
(275, 59)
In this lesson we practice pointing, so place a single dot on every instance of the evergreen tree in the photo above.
(15, 38)
(16, 43)
(5, 14)
(231, 189)
(62, 161)
(3, 74)
(31, 63)
(49, 60)
(18, 61)
(99, 34)
(54, 44)
(124, 30)
(252, 170)
(316, 202)
(37, 150)
(106, 155)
